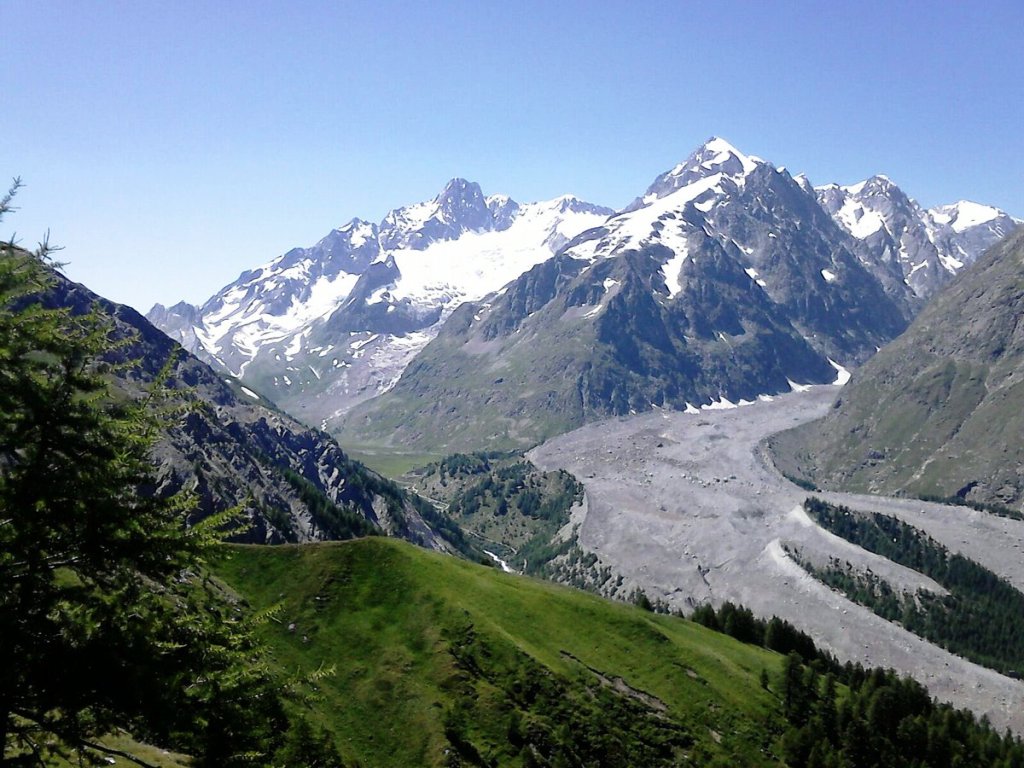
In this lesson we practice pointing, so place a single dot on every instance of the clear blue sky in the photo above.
(170, 145)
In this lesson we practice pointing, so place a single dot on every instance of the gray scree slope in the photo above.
(688, 507)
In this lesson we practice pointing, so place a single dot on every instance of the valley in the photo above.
(496, 385)
(689, 507)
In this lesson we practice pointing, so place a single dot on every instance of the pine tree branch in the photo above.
(117, 753)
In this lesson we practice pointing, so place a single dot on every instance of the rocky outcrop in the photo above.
(231, 447)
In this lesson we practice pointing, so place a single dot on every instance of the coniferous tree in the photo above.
(105, 619)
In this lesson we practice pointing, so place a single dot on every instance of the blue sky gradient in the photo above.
(169, 146)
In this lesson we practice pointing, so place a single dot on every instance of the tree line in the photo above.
(848, 716)
(981, 618)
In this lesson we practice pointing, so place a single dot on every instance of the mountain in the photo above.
(436, 661)
(233, 447)
(725, 281)
(940, 410)
(908, 245)
(465, 665)
(323, 328)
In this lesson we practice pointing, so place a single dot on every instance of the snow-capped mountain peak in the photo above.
(921, 248)
(459, 208)
(712, 164)
(346, 315)
(717, 155)
(964, 214)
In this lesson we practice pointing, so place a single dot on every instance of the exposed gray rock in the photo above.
(234, 448)
(940, 411)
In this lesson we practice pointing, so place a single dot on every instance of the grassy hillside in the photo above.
(939, 411)
(438, 661)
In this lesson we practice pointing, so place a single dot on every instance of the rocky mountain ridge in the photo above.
(323, 328)
(939, 412)
(837, 270)
(922, 248)
(232, 447)
(724, 282)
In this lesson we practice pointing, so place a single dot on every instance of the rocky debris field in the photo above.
(689, 507)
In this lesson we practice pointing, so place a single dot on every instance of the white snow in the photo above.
(857, 219)
(657, 221)
(586, 251)
(357, 345)
(964, 214)
(842, 375)
(798, 387)
(951, 263)
(378, 295)
(247, 326)
(723, 149)
(670, 271)
(718, 405)
(453, 271)
(361, 233)
(295, 345)
(690, 409)
(829, 275)
(250, 393)
(723, 403)
(755, 276)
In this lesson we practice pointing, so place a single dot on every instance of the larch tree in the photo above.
(106, 620)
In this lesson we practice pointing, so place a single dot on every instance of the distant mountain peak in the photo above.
(964, 214)
(353, 224)
(717, 151)
(459, 207)
(921, 249)
(460, 189)
(714, 160)
(716, 155)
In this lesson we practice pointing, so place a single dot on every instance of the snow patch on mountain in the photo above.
(843, 376)
(963, 215)
(449, 272)
(670, 271)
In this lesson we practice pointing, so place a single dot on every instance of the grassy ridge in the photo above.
(443, 662)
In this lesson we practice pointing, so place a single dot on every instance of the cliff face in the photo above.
(232, 447)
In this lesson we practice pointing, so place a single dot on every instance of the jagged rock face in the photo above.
(844, 268)
(940, 411)
(323, 328)
(907, 246)
(234, 448)
(772, 226)
(724, 282)
(178, 321)
(460, 208)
